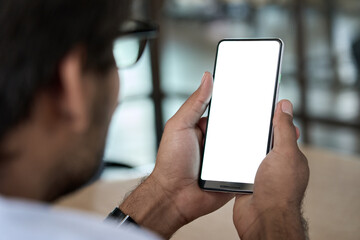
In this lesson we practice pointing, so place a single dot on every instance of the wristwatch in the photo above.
(120, 218)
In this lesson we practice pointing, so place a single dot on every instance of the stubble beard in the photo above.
(83, 161)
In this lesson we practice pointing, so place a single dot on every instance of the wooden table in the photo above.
(331, 206)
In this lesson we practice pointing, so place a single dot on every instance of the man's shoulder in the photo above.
(25, 220)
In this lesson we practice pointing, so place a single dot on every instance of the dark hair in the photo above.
(36, 34)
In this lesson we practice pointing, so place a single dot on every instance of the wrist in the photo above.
(152, 207)
(276, 223)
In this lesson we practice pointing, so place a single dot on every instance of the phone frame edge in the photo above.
(249, 187)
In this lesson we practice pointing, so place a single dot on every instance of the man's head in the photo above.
(58, 89)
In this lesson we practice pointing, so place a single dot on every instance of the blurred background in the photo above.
(320, 74)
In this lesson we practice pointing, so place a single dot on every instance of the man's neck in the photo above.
(23, 163)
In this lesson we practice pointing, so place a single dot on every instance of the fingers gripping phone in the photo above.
(239, 128)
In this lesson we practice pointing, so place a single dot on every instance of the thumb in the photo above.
(285, 133)
(191, 111)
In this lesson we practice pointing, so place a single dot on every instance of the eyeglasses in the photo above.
(130, 45)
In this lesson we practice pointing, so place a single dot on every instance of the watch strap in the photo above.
(120, 218)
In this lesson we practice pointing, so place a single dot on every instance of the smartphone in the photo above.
(239, 126)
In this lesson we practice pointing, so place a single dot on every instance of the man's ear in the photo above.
(76, 91)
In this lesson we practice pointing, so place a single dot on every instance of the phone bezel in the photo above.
(221, 186)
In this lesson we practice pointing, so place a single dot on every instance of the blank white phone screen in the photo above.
(241, 108)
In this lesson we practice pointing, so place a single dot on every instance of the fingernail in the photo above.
(287, 108)
(203, 78)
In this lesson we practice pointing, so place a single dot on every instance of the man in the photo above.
(58, 90)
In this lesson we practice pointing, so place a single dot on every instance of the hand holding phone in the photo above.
(273, 211)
